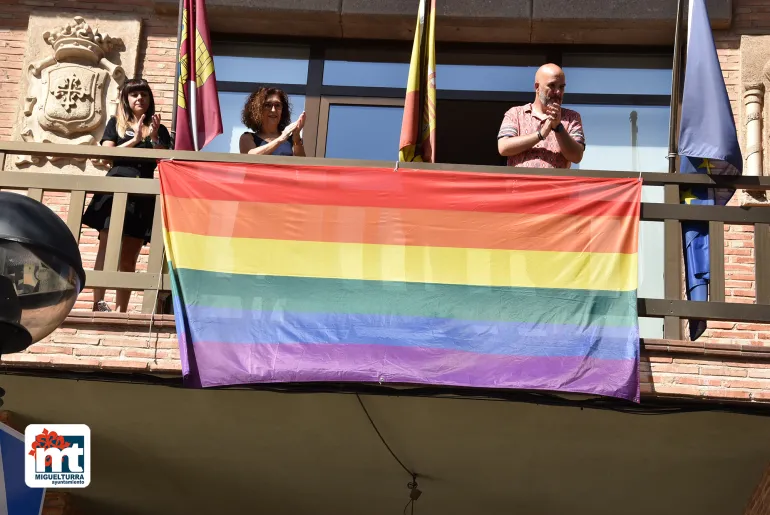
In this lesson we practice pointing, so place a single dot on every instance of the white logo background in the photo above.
(65, 473)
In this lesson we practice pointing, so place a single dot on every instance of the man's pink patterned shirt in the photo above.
(522, 120)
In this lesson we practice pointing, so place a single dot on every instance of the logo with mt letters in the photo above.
(58, 455)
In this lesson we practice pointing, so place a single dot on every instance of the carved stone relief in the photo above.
(755, 115)
(70, 85)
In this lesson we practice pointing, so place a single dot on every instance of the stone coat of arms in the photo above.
(67, 96)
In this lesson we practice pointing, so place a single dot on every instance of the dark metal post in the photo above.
(676, 82)
(672, 266)
(633, 118)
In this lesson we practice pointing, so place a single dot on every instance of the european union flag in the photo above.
(708, 143)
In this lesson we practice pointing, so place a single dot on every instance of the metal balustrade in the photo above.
(673, 309)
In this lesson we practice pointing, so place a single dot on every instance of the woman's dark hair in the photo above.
(252, 110)
(125, 114)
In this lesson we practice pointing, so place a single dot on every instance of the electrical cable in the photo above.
(651, 406)
(414, 492)
(383, 439)
(155, 306)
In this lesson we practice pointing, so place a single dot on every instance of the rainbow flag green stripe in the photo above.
(294, 274)
(387, 298)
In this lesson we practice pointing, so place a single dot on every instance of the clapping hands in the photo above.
(553, 111)
(154, 126)
(137, 129)
(293, 130)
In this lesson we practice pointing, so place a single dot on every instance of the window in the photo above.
(618, 74)
(365, 74)
(632, 138)
(364, 132)
(618, 81)
(231, 107)
(448, 76)
(261, 64)
(485, 77)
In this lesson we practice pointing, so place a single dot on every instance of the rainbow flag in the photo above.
(300, 273)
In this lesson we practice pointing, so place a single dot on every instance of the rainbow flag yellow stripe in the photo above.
(414, 264)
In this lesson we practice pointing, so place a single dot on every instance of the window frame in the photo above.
(328, 101)
(319, 97)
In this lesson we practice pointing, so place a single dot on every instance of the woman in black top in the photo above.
(136, 125)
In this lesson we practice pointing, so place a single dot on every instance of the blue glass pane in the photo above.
(448, 76)
(261, 70)
(231, 106)
(618, 81)
(364, 132)
(608, 131)
(353, 73)
(485, 78)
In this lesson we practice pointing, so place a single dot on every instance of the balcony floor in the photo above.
(161, 450)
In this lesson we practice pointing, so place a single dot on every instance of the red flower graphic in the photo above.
(48, 440)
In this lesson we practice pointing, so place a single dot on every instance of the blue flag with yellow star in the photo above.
(708, 143)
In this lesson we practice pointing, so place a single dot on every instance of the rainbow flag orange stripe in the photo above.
(296, 274)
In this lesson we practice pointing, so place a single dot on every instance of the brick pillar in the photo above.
(55, 503)
(760, 501)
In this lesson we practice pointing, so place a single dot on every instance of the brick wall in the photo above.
(760, 501)
(107, 341)
(749, 17)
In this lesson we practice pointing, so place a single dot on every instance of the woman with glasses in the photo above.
(268, 115)
(136, 125)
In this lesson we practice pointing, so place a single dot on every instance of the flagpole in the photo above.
(423, 76)
(675, 88)
(634, 118)
(176, 68)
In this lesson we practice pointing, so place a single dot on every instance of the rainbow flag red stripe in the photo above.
(300, 274)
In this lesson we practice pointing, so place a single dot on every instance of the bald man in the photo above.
(542, 134)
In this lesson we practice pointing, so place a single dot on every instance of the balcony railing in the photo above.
(672, 308)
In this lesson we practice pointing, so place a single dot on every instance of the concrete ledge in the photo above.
(629, 22)
(300, 18)
(457, 20)
(648, 22)
(624, 12)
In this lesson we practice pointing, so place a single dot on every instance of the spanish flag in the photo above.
(418, 129)
(198, 119)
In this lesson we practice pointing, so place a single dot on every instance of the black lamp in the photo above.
(41, 273)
